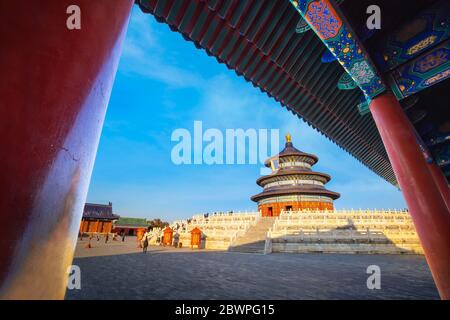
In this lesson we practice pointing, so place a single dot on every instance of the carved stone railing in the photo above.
(268, 245)
(242, 232)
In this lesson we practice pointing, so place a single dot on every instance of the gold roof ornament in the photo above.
(288, 137)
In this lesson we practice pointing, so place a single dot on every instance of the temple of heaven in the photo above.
(293, 185)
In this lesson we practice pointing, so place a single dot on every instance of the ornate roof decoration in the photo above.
(346, 82)
(421, 72)
(426, 30)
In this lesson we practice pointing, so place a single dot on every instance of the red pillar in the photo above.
(441, 182)
(426, 206)
(54, 91)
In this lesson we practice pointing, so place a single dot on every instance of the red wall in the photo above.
(296, 205)
(129, 230)
(95, 226)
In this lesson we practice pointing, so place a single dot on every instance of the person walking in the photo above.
(145, 242)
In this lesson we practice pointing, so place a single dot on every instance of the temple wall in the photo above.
(325, 231)
(219, 230)
(345, 231)
(278, 207)
(350, 248)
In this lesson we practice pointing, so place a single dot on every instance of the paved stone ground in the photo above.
(100, 248)
(119, 271)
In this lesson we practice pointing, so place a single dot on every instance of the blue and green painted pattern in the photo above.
(329, 24)
(422, 72)
(422, 33)
(346, 82)
(328, 57)
(363, 106)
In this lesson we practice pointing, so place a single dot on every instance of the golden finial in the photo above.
(288, 137)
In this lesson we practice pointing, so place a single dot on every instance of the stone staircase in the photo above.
(254, 240)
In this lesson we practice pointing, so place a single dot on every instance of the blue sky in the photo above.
(164, 83)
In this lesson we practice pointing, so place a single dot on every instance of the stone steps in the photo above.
(253, 247)
(254, 240)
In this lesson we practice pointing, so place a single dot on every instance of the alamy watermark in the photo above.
(215, 147)
(73, 21)
(374, 280)
(374, 20)
(74, 277)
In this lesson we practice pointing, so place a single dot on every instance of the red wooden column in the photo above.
(54, 91)
(425, 203)
(441, 182)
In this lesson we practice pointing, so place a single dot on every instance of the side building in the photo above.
(97, 218)
(130, 226)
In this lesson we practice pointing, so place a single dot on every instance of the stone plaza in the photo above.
(119, 270)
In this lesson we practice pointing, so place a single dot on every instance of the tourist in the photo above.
(123, 236)
(145, 242)
(176, 238)
(107, 238)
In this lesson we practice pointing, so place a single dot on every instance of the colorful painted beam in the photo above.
(422, 72)
(303, 26)
(330, 25)
(363, 35)
(425, 31)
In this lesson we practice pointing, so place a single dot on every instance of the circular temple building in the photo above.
(293, 185)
